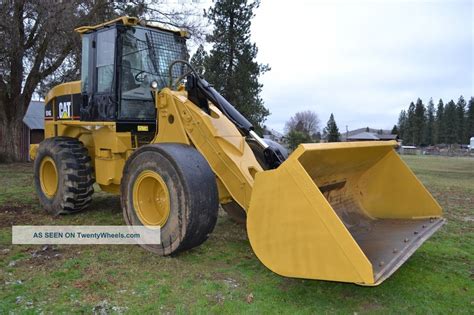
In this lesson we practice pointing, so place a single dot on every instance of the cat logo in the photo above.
(64, 110)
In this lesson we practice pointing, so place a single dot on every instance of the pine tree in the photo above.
(430, 122)
(402, 124)
(231, 65)
(440, 135)
(419, 123)
(470, 118)
(410, 129)
(198, 60)
(331, 130)
(450, 123)
(395, 130)
(461, 120)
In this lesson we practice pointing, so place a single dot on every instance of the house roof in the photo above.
(363, 136)
(388, 137)
(34, 117)
(272, 132)
(360, 130)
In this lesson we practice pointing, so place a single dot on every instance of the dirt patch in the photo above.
(82, 284)
(286, 284)
(368, 307)
(43, 256)
(16, 214)
(231, 283)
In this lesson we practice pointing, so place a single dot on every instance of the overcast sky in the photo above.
(364, 61)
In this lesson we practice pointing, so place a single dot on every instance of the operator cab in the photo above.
(120, 60)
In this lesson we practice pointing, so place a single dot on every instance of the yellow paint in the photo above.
(111, 149)
(297, 231)
(68, 88)
(224, 195)
(48, 175)
(33, 151)
(168, 132)
(151, 198)
(125, 20)
(132, 21)
(216, 137)
(142, 128)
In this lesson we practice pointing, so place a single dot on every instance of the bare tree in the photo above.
(306, 122)
(39, 49)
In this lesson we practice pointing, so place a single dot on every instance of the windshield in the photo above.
(146, 56)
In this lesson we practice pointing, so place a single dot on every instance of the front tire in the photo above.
(170, 185)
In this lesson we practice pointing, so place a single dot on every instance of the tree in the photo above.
(395, 130)
(295, 138)
(198, 60)
(306, 122)
(470, 118)
(440, 135)
(34, 46)
(411, 122)
(331, 131)
(419, 122)
(231, 66)
(402, 124)
(450, 123)
(461, 121)
(367, 129)
(430, 124)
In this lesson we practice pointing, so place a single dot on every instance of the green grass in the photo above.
(219, 276)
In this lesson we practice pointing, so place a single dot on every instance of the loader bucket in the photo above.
(350, 212)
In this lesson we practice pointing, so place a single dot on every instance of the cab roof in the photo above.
(133, 21)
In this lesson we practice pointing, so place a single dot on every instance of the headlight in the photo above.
(154, 85)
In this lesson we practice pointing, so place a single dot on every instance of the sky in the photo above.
(363, 61)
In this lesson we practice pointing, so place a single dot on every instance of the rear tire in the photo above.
(180, 173)
(63, 175)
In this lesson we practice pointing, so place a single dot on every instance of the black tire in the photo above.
(74, 175)
(193, 196)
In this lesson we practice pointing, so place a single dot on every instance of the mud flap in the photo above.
(351, 212)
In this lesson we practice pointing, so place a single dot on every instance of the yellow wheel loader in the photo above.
(174, 151)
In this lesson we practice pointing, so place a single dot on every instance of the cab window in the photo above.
(105, 60)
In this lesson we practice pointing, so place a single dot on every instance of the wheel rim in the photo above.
(151, 199)
(48, 177)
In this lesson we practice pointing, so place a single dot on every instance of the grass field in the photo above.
(223, 275)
